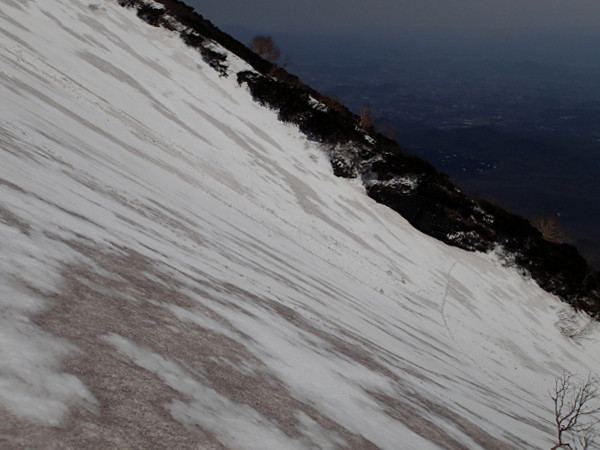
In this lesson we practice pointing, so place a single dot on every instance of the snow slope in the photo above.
(178, 269)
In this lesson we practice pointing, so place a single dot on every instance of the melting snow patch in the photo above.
(406, 184)
(316, 104)
(463, 236)
(486, 217)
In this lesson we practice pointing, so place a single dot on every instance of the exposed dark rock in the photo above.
(150, 15)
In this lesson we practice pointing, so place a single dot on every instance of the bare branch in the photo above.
(265, 47)
(367, 120)
(574, 408)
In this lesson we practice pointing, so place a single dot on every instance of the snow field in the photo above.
(155, 221)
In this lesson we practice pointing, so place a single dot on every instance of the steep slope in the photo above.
(405, 183)
(180, 269)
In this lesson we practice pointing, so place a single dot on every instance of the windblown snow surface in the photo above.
(178, 269)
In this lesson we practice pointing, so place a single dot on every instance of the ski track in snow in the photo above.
(447, 323)
(180, 270)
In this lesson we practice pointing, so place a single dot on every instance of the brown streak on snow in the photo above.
(11, 219)
(120, 292)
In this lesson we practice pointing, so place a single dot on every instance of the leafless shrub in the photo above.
(591, 275)
(265, 47)
(276, 71)
(587, 440)
(576, 412)
(574, 325)
(287, 60)
(367, 120)
(550, 227)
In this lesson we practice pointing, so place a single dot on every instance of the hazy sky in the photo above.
(335, 16)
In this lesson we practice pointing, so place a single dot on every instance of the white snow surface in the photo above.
(179, 269)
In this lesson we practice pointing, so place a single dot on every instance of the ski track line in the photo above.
(445, 319)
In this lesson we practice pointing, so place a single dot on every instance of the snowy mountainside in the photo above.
(179, 269)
